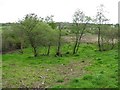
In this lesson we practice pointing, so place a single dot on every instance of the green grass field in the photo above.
(88, 69)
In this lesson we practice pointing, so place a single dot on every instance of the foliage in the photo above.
(37, 31)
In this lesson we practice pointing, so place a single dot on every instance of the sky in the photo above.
(63, 10)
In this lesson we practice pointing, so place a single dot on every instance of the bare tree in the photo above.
(100, 19)
(80, 22)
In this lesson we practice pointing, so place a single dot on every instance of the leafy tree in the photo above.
(51, 37)
(29, 24)
(35, 30)
(8, 39)
(51, 40)
(20, 35)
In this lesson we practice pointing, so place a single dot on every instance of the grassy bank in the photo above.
(88, 69)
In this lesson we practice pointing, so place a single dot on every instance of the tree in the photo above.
(51, 39)
(29, 23)
(60, 27)
(109, 35)
(8, 39)
(20, 36)
(35, 30)
(49, 20)
(80, 22)
(99, 20)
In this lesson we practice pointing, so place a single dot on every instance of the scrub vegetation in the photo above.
(42, 53)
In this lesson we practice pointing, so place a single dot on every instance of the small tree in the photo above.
(29, 24)
(8, 39)
(100, 19)
(80, 22)
(109, 35)
(58, 53)
(35, 30)
(51, 39)
(20, 36)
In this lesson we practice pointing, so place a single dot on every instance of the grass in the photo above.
(88, 69)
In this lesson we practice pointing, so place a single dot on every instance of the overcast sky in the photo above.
(63, 10)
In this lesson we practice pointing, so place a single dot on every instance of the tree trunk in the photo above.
(79, 40)
(102, 44)
(99, 45)
(74, 49)
(77, 47)
(58, 53)
(35, 51)
(76, 43)
(48, 52)
(33, 45)
(112, 44)
(21, 47)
